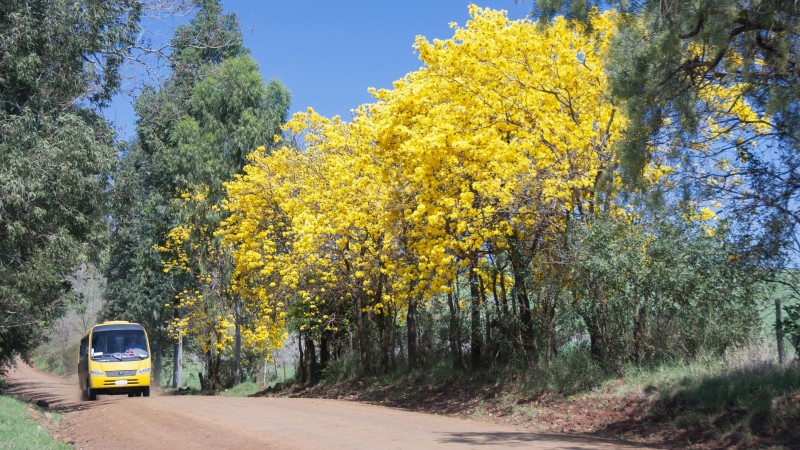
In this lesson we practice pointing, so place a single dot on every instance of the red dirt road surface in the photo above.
(205, 422)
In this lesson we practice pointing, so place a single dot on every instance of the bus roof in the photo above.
(117, 325)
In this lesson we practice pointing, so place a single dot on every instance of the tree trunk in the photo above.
(501, 316)
(383, 338)
(209, 372)
(595, 339)
(779, 330)
(237, 344)
(454, 330)
(488, 343)
(594, 323)
(639, 329)
(475, 317)
(520, 295)
(363, 338)
(302, 370)
(177, 361)
(411, 327)
(214, 375)
(156, 349)
(310, 368)
(392, 318)
(324, 353)
(549, 324)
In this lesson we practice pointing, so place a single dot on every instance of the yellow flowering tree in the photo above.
(307, 227)
(456, 189)
(502, 136)
(206, 309)
(505, 131)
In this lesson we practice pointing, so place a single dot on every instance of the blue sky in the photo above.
(329, 53)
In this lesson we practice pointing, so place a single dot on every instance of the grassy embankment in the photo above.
(741, 400)
(24, 426)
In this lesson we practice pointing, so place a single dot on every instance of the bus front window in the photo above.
(118, 344)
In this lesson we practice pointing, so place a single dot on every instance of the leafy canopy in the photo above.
(58, 61)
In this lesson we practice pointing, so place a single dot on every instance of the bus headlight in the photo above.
(99, 373)
(144, 370)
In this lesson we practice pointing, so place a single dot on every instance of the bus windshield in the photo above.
(110, 345)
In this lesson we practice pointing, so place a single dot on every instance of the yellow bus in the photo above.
(114, 359)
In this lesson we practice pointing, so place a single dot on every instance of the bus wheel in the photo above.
(131, 394)
(90, 394)
(146, 391)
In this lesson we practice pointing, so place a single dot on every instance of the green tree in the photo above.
(694, 45)
(658, 288)
(59, 61)
(193, 132)
(135, 288)
(666, 54)
(230, 113)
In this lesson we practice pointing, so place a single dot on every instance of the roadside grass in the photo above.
(190, 368)
(21, 427)
(741, 377)
(571, 372)
(244, 389)
(742, 397)
(738, 400)
(250, 388)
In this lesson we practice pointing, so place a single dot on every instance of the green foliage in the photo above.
(210, 38)
(659, 289)
(251, 388)
(54, 53)
(57, 58)
(57, 352)
(736, 41)
(340, 369)
(60, 361)
(231, 112)
(791, 325)
(152, 171)
(52, 181)
(573, 370)
(194, 133)
(190, 379)
(19, 430)
(740, 41)
(666, 55)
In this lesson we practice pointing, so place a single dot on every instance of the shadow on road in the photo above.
(46, 391)
(545, 440)
(42, 395)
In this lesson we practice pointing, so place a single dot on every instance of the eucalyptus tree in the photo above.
(194, 132)
(59, 62)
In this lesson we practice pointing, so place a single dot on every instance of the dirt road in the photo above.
(182, 422)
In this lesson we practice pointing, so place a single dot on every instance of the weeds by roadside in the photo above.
(23, 426)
